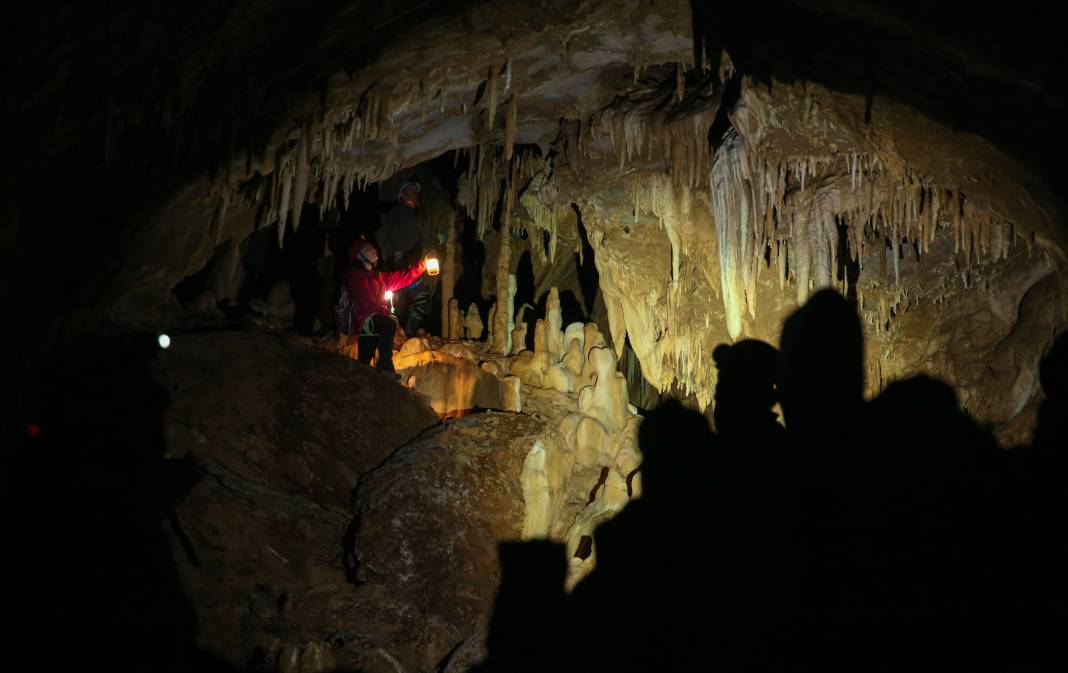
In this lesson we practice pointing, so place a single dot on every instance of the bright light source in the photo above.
(164, 341)
(389, 295)
(432, 267)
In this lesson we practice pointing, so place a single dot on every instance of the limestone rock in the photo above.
(453, 319)
(282, 432)
(473, 323)
(431, 518)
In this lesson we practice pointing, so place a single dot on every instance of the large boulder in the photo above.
(430, 519)
(281, 433)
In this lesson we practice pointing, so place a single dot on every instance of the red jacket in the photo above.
(368, 289)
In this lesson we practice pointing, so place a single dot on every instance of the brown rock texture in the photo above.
(430, 519)
(281, 432)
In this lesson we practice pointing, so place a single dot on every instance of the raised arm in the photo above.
(397, 280)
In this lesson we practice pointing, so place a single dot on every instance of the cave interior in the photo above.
(746, 351)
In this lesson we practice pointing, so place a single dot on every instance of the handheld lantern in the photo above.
(432, 267)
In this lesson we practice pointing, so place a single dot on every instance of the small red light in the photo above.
(33, 431)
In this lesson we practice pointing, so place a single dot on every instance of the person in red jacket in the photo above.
(367, 287)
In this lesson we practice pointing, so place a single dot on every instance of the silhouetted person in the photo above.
(881, 536)
(745, 391)
(821, 375)
(528, 631)
(821, 387)
(1033, 552)
(923, 532)
(649, 604)
(755, 491)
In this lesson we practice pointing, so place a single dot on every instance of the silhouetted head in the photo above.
(673, 440)
(745, 389)
(920, 419)
(409, 193)
(821, 363)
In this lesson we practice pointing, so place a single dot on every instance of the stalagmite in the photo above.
(573, 361)
(503, 323)
(448, 276)
(540, 337)
(491, 104)
(519, 338)
(607, 399)
(453, 315)
(554, 336)
(473, 323)
(575, 331)
(511, 396)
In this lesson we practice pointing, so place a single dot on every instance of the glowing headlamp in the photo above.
(432, 267)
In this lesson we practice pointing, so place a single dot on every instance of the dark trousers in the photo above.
(377, 332)
(414, 304)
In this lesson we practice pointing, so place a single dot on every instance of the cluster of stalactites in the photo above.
(489, 178)
(323, 156)
(650, 125)
(538, 199)
(671, 205)
(788, 215)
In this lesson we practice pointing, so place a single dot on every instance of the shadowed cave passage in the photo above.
(746, 349)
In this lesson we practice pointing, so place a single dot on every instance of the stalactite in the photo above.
(510, 125)
(283, 204)
(491, 101)
(737, 240)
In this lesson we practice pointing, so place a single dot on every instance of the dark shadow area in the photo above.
(640, 392)
(848, 268)
(874, 536)
(524, 296)
(468, 288)
(588, 278)
(91, 498)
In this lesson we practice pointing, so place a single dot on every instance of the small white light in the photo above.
(389, 295)
(164, 341)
